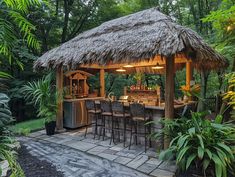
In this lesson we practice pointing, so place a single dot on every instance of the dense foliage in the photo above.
(201, 144)
(229, 96)
(7, 143)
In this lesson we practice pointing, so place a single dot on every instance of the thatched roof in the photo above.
(132, 38)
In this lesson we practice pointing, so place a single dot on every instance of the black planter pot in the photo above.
(50, 127)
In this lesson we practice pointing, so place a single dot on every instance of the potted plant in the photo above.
(43, 95)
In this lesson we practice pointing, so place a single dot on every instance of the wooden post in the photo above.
(169, 92)
(189, 74)
(102, 83)
(59, 87)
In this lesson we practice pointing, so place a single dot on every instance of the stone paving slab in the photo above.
(122, 160)
(154, 161)
(82, 146)
(147, 168)
(135, 158)
(169, 166)
(138, 161)
(108, 156)
(162, 173)
(96, 150)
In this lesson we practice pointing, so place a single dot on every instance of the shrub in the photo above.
(200, 144)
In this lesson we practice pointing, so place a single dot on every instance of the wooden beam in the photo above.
(59, 87)
(146, 63)
(102, 83)
(169, 92)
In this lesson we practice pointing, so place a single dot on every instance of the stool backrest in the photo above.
(105, 106)
(117, 107)
(90, 104)
(137, 110)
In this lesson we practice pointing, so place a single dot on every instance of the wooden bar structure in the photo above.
(144, 39)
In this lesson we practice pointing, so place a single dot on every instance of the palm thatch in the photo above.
(133, 38)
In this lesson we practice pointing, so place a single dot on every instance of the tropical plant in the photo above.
(6, 141)
(43, 95)
(229, 96)
(192, 91)
(13, 25)
(198, 143)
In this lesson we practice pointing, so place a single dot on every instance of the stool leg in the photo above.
(103, 127)
(119, 139)
(130, 135)
(136, 131)
(150, 142)
(87, 124)
(95, 125)
(145, 138)
(112, 131)
(124, 131)
(100, 125)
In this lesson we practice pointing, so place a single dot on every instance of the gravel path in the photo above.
(33, 167)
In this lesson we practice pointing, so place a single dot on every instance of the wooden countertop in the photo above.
(162, 107)
(83, 99)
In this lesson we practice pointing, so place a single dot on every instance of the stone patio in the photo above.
(133, 161)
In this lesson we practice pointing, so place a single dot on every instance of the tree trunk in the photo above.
(67, 5)
(204, 78)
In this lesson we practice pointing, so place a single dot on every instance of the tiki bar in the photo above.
(147, 42)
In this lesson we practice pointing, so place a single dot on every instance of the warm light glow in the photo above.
(157, 67)
(120, 70)
(128, 66)
(229, 28)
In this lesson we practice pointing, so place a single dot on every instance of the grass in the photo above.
(27, 126)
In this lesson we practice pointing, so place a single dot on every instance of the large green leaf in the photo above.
(182, 152)
(190, 159)
(200, 151)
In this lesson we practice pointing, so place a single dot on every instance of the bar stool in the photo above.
(92, 110)
(119, 115)
(106, 112)
(138, 116)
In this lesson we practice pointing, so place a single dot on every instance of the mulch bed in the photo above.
(34, 167)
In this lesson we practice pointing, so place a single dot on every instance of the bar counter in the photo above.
(75, 114)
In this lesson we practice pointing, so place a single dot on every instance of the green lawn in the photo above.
(27, 126)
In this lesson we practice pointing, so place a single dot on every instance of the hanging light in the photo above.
(157, 66)
(120, 70)
(128, 66)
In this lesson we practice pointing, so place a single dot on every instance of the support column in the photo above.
(59, 87)
(169, 92)
(189, 73)
(102, 83)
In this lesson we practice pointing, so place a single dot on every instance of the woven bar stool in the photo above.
(92, 111)
(119, 115)
(106, 113)
(138, 116)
